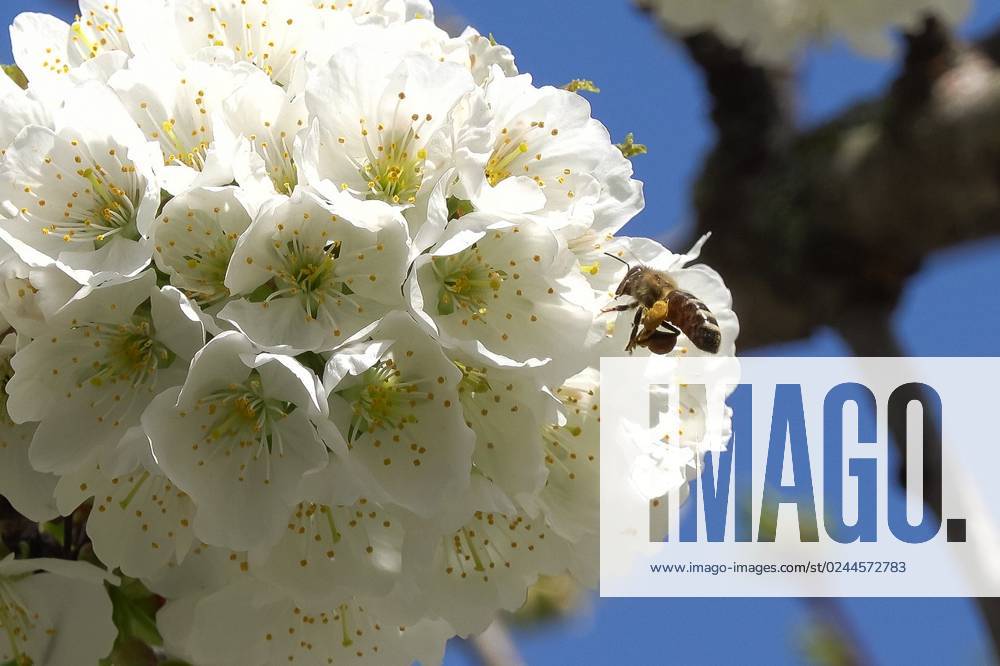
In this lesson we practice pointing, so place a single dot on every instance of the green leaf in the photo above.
(131, 652)
(313, 361)
(16, 75)
(582, 85)
(459, 207)
(133, 611)
(630, 148)
(260, 294)
(56, 529)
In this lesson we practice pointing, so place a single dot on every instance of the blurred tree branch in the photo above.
(825, 226)
(816, 223)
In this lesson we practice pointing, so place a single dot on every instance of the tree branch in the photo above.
(752, 106)
(828, 229)
(842, 215)
(870, 334)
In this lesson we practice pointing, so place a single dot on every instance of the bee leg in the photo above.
(653, 318)
(635, 332)
(621, 308)
(661, 342)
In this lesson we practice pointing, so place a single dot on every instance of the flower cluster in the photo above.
(303, 301)
(775, 30)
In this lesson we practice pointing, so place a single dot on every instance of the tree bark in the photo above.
(870, 334)
(824, 226)
(815, 223)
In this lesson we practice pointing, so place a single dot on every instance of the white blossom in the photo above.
(304, 303)
(83, 192)
(319, 272)
(485, 53)
(507, 410)
(264, 123)
(54, 612)
(140, 521)
(382, 129)
(194, 239)
(34, 290)
(53, 53)
(572, 448)
(270, 36)
(505, 290)
(21, 108)
(176, 107)
(331, 552)
(395, 400)
(775, 30)
(238, 437)
(485, 562)
(550, 158)
(253, 624)
(30, 492)
(102, 360)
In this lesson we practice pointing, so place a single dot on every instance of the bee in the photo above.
(663, 312)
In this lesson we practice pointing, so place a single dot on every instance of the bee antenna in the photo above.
(618, 259)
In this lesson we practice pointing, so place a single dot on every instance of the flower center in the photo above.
(193, 155)
(113, 210)
(498, 169)
(92, 34)
(394, 170)
(257, 34)
(381, 400)
(277, 156)
(131, 354)
(309, 275)
(508, 151)
(205, 268)
(16, 622)
(243, 408)
(487, 544)
(467, 282)
(474, 380)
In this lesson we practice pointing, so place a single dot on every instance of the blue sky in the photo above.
(649, 88)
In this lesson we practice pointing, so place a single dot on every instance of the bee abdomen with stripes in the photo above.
(690, 314)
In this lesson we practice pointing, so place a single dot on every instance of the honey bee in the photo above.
(664, 312)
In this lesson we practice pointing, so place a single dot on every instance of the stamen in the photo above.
(15, 620)
(135, 489)
(467, 281)
(131, 353)
(346, 640)
(279, 162)
(381, 400)
(395, 173)
(242, 408)
(506, 156)
(113, 212)
(310, 274)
